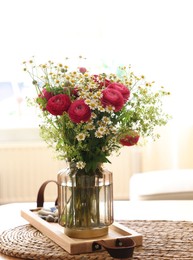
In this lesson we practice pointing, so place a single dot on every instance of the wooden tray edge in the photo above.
(75, 246)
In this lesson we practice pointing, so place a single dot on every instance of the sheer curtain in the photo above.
(155, 37)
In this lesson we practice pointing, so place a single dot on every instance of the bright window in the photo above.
(153, 36)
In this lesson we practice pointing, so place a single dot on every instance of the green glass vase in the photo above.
(85, 202)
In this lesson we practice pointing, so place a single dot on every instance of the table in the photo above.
(123, 210)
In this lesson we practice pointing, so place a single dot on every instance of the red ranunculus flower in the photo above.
(58, 104)
(122, 88)
(112, 97)
(79, 111)
(74, 91)
(47, 95)
(130, 139)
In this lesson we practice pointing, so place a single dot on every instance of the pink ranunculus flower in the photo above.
(82, 70)
(112, 97)
(122, 88)
(130, 139)
(79, 111)
(46, 94)
(58, 104)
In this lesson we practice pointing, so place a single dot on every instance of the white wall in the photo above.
(25, 165)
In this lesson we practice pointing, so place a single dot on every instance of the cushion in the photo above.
(162, 185)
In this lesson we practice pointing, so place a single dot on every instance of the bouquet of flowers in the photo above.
(87, 116)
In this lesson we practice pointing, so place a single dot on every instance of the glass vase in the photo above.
(85, 202)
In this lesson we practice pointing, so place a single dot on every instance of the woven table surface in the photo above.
(161, 240)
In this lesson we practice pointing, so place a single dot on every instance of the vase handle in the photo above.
(124, 247)
(40, 196)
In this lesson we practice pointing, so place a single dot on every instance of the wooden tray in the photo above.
(77, 246)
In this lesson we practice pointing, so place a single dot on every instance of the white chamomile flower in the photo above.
(102, 130)
(90, 126)
(93, 104)
(93, 115)
(106, 120)
(101, 109)
(98, 134)
(113, 139)
(107, 131)
(104, 148)
(97, 95)
(80, 137)
(113, 130)
(87, 101)
(101, 123)
(92, 85)
(86, 88)
(110, 109)
(80, 165)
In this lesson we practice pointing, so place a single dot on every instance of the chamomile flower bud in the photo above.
(104, 148)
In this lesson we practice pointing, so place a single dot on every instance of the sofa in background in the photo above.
(176, 184)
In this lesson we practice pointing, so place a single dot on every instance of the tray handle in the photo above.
(124, 247)
(40, 196)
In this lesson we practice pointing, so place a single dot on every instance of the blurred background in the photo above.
(155, 37)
